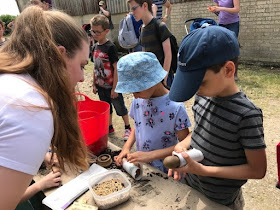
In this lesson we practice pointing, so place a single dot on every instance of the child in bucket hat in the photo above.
(229, 127)
(159, 122)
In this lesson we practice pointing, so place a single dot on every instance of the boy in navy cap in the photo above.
(228, 126)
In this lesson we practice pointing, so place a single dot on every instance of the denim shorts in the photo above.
(118, 103)
(233, 27)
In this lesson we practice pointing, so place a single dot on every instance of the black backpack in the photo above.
(174, 49)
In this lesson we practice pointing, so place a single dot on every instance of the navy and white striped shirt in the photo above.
(224, 129)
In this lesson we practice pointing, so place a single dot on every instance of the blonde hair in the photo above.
(32, 48)
(100, 20)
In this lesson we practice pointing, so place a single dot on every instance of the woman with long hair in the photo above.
(40, 66)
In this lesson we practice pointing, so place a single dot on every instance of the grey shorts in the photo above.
(118, 103)
(239, 202)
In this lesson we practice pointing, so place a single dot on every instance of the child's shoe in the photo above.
(126, 134)
(111, 131)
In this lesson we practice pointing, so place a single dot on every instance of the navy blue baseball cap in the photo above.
(200, 49)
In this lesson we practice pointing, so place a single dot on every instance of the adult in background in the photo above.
(157, 9)
(104, 11)
(44, 4)
(2, 30)
(228, 16)
(39, 69)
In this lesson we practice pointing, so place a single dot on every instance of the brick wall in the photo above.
(259, 34)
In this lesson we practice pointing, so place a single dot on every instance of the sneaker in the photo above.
(126, 134)
(111, 131)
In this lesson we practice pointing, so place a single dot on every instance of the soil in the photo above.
(258, 194)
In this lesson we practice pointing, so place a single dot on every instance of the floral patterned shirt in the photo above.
(157, 121)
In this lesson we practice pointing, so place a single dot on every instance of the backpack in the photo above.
(127, 37)
(174, 49)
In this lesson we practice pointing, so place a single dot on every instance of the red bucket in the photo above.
(94, 123)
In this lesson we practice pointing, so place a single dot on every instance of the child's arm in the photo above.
(254, 169)
(167, 56)
(168, 7)
(53, 179)
(94, 89)
(115, 81)
(185, 142)
(146, 157)
(126, 148)
(50, 161)
(154, 9)
(105, 12)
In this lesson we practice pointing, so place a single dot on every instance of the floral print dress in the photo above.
(157, 121)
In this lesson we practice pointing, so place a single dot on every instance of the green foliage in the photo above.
(7, 19)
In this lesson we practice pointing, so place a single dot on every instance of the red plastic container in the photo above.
(94, 123)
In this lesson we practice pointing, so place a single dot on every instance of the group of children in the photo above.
(228, 126)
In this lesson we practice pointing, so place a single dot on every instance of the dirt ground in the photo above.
(259, 194)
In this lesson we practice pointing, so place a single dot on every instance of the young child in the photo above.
(159, 122)
(229, 127)
(105, 57)
(154, 36)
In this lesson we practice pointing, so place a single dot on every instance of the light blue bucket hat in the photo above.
(138, 71)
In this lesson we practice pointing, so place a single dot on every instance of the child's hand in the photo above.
(139, 156)
(118, 159)
(180, 147)
(114, 94)
(192, 167)
(51, 180)
(176, 175)
(94, 89)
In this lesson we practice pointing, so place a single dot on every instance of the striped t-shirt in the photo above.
(224, 128)
(152, 36)
(159, 4)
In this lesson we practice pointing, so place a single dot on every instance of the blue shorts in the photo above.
(232, 27)
(118, 103)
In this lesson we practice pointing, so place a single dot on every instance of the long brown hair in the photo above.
(32, 48)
